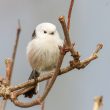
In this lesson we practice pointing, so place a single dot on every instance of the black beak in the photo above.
(52, 33)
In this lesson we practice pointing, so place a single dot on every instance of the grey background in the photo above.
(90, 24)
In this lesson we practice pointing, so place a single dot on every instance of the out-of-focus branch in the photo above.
(15, 46)
(98, 102)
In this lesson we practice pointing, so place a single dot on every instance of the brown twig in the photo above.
(68, 43)
(8, 63)
(69, 14)
(98, 102)
(23, 104)
(15, 46)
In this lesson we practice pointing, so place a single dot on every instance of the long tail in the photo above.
(30, 93)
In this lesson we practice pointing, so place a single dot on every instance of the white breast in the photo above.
(43, 54)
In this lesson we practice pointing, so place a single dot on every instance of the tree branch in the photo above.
(68, 43)
(15, 46)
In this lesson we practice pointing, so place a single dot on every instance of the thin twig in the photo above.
(15, 46)
(8, 63)
(69, 14)
(68, 43)
(24, 90)
(25, 104)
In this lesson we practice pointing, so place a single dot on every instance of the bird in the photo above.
(43, 52)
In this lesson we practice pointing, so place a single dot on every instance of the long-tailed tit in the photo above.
(43, 51)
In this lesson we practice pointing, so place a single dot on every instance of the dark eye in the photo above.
(45, 31)
(52, 33)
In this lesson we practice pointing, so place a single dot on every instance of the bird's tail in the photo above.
(30, 93)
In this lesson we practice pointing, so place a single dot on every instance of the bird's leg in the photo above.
(35, 75)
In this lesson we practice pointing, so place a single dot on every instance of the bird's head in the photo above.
(45, 30)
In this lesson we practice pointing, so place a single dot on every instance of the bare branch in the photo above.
(68, 43)
(8, 63)
(24, 104)
(15, 46)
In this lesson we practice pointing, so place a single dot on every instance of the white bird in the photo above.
(43, 51)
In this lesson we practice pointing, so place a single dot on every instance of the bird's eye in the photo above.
(45, 31)
(52, 33)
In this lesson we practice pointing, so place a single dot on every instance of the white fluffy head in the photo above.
(45, 31)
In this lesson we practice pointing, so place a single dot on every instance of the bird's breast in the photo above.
(43, 55)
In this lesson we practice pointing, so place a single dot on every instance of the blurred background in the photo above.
(90, 25)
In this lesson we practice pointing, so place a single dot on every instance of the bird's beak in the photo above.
(52, 33)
